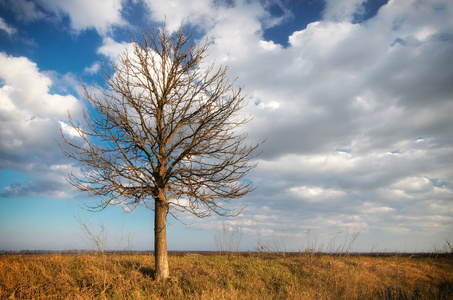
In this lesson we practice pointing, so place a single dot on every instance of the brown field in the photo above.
(246, 276)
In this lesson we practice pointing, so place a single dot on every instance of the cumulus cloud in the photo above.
(30, 121)
(233, 17)
(356, 114)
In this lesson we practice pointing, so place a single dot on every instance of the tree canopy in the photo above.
(165, 129)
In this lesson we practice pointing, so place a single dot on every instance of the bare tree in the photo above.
(165, 130)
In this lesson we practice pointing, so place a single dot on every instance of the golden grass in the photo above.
(304, 276)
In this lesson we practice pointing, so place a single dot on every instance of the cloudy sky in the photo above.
(354, 97)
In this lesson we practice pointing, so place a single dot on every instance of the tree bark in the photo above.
(162, 271)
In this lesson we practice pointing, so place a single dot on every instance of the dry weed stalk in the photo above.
(278, 245)
(315, 246)
(97, 239)
(228, 239)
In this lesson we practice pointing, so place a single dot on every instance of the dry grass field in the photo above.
(215, 276)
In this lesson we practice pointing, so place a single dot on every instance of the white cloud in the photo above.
(196, 12)
(270, 46)
(357, 114)
(93, 69)
(373, 88)
(268, 106)
(30, 118)
(49, 184)
(27, 89)
(101, 15)
(343, 10)
(207, 14)
(84, 14)
(24, 10)
(316, 194)
(112, 49)
(237, 32)
(413, 184)
(8, 29)
(68, 130)
(372, 208)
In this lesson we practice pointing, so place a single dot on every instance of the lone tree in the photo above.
(165, 130)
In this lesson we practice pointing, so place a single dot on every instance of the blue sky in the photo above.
(354, 97)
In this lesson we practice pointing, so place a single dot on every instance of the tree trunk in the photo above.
(160, 240)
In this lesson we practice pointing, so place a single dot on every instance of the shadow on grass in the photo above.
(147, 271)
